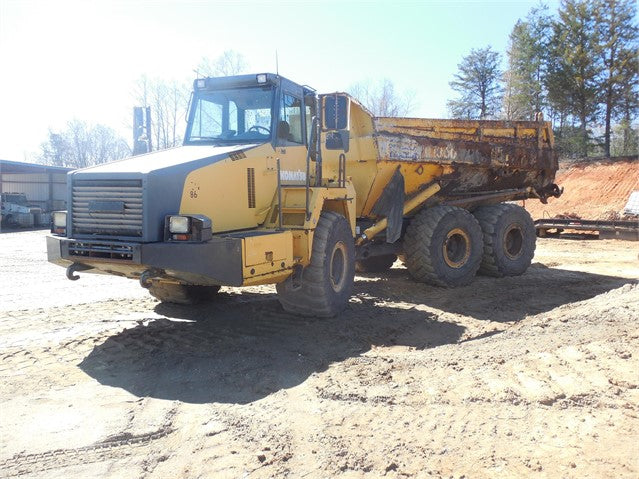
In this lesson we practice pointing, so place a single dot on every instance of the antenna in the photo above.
(277, 66)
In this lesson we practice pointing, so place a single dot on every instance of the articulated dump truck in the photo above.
(276, 184)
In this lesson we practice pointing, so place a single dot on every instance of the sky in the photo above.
(63, 59)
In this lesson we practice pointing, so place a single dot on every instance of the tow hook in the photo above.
(147, 276)
(76, 267)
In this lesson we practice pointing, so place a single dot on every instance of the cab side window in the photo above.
(290, 122)
(309, 123)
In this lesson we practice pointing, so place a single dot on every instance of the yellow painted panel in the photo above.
(221, 190)
(267, 258)
(268, 248)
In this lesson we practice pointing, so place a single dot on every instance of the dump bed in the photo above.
(505, 159)
(509, 144)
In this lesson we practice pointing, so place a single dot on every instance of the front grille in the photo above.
(108, 251)
(107, 207)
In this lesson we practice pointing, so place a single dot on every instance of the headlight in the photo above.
(179, 224)
(59, 222)
(191, 228)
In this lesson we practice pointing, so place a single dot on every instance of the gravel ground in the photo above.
(529, 376)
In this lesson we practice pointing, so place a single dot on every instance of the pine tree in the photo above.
(573, 78)
(478, 83)
(525, 78)
(619, 37)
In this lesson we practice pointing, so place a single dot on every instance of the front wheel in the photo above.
(182, 293)
(326, 283)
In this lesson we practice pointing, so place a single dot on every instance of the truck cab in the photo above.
(233, 206)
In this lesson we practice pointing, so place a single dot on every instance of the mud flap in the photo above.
(391, 205)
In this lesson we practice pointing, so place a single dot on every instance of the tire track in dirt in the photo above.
(110, 449)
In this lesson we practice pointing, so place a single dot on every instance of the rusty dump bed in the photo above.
(478, 156)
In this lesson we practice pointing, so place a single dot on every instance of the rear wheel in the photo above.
(509, 239)
(182, 293)
(443, 246)
(375, 264)
(325, 285)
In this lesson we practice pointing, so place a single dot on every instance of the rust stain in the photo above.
(484, 155)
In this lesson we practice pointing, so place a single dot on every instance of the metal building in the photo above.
(44, 186)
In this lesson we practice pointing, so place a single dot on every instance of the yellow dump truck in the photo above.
(276, 184)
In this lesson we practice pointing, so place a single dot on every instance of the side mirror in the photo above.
(336, 119)
(338, 140)
(336, 112)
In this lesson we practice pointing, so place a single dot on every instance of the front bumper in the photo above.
(218, 261)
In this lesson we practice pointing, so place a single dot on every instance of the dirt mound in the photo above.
(592, 190)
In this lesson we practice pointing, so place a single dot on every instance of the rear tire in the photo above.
(326, 283)
(182, 293)
(509, 239)
(443, 246)
(375, 264)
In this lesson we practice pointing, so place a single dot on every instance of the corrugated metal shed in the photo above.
(44, 185)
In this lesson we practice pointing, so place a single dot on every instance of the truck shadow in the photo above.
(243, 347)
(539, 290)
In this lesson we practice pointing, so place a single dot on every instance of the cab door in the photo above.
(290, 139)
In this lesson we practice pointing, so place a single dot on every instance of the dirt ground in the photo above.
(534, 376)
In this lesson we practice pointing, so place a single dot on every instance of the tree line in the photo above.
(578, 67)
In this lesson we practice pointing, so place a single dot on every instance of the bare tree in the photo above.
(168, 101)
(228, 63)
(81, 145)
(381, 99)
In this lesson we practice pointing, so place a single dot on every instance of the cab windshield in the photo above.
(242, 115)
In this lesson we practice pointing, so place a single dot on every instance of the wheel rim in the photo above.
(337, 272)
(513, 242)
(456, 248)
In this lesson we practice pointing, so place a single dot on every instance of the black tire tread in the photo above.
(417, 245)
(314, 297)
(489, 217)
(182, 293)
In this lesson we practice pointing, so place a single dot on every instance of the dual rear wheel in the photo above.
(447, 246)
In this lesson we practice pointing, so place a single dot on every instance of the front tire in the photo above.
(509, 239)
(326, 283)
(443, 246)
(182, 293)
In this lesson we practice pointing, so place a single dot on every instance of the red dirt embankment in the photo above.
(592, 190)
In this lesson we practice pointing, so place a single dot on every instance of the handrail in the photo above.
(279, 194)
(308, 169)
(341, 175)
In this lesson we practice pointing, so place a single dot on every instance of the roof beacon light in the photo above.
(261, 78)
(201, 83)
